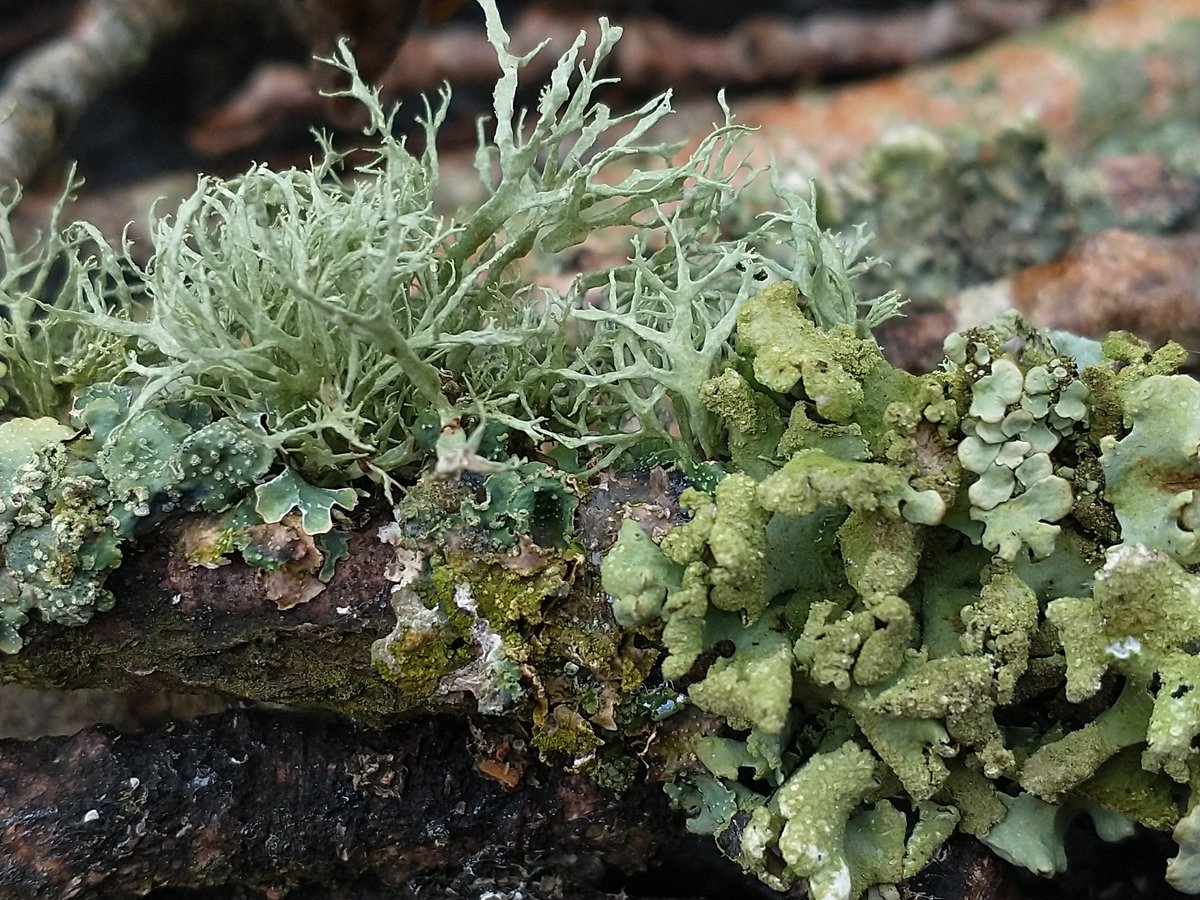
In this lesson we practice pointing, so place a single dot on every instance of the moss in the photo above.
(583, 635)
(564, 731)
(614, 772)
(507, 596)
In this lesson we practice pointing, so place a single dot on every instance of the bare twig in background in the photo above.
(761, 50)
(48, 90)
(29, 24)
(768, 50)
(656, 53)
(198, 629)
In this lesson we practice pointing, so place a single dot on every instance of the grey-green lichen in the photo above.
(295, 331)
(974, 570)
(878, 575)
(72, 497)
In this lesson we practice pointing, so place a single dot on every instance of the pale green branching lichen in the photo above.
(336, 307)
(329, 318)
(866, 580)
(44, 358)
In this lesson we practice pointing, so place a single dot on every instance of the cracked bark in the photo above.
(258, 798)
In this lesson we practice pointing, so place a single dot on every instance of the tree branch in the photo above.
(182, 627)
(253, 803)
(47, 91)
(202, 630)
(274, 798)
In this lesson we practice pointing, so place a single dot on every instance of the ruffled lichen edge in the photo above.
(891, 560)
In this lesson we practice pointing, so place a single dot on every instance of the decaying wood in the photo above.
(48, 90)
(1109, 281)
(1146, 284)
(215, 630)
(275, 799)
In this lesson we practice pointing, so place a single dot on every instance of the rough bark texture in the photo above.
(263, 803)
(189, 628)
(272, 798)
(183, 627)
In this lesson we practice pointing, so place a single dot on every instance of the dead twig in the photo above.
(48, 90)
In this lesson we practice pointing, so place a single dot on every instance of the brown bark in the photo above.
(272, 799)
(215, 630)
(269, 636)
(657, 53)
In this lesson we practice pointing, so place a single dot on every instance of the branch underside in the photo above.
(195, 629)
(277, 798)
(263, 803)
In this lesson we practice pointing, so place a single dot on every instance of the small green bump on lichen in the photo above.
(752, 418)
(637, 576)
(789, 350)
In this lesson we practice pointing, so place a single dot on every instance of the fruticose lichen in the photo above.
(837, 624)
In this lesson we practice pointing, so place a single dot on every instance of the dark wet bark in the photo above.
(271, 799)
(264, 803)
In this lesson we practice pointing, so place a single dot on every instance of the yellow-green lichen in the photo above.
(506, 595)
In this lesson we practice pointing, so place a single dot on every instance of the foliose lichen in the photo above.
(72, 497)
(972, 510)
(877, 577)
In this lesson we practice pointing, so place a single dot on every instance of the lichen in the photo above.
(1152, 473)
(287, 491)
(73, 497)
(920, 634)
(637, 575)
(1016, 419)
(849, 594)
